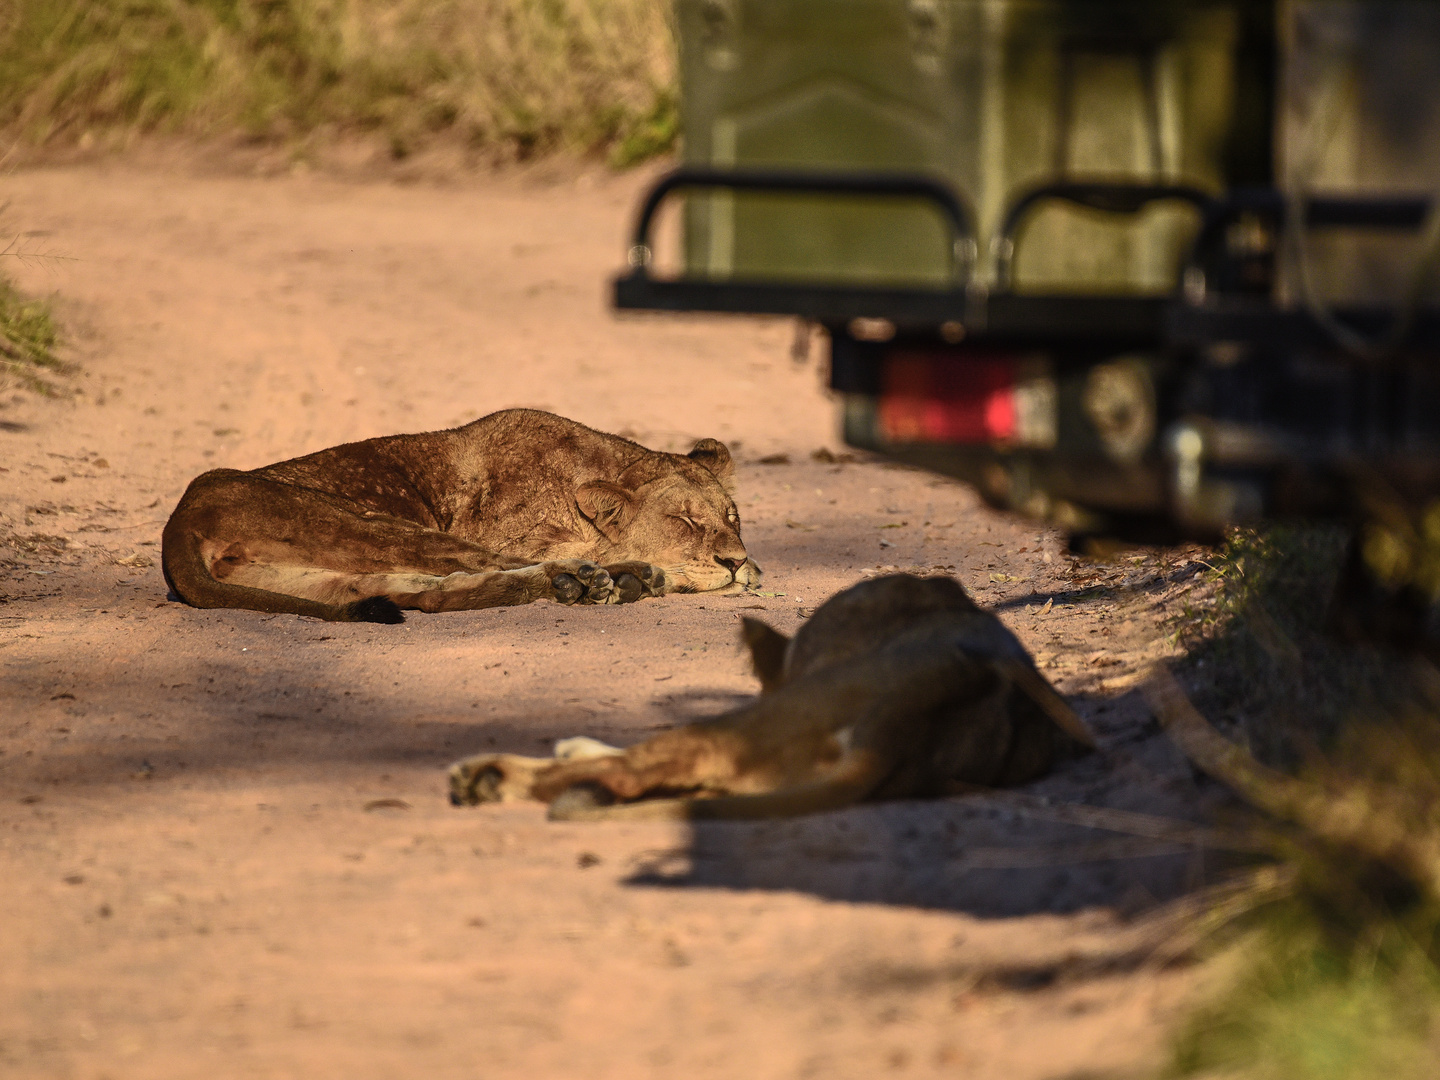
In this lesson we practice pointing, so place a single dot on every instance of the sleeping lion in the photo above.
(898, 688)
(517, 506)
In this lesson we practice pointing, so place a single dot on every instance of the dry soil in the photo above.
(225, 848)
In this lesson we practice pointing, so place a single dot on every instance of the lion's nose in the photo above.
(733, 565)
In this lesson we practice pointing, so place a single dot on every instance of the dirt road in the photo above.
(225, 849)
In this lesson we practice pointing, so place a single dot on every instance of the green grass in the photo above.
(510, 77)
(1306, 1008)
(1335, 977)
(27, 340)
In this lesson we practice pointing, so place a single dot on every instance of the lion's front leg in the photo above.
(566, 581)
(511, 777)
(494, 778)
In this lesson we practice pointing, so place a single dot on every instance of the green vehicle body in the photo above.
(1194, 248)
(991, 97)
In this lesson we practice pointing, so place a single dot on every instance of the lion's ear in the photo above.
(767, 652)
(715, 456)
(609, 507)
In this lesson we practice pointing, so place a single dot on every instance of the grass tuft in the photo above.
(27, 339)
(512, 77)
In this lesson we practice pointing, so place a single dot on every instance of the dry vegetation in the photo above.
(500, 77)
(1259, 651)
(1333, 965)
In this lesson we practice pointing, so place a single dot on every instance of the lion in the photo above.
(898, 688)
(517, 506)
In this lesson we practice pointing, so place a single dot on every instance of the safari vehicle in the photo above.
(1138, 268)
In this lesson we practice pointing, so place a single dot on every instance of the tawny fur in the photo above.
(517, 506)
(898, 688)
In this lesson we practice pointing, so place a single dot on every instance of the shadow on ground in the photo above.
(973, 853)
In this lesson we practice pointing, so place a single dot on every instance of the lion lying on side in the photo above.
(517, 506)
(898, 688)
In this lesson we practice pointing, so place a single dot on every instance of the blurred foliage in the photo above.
(515, 77)
(1258, 649)
(1335, 975)
(1305, 1009)
(27, 339)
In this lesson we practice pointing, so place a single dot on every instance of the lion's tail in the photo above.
(189, 578)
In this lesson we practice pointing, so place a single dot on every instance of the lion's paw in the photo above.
(576, 581)
(494, 778)
(476, 780)
(637, 580)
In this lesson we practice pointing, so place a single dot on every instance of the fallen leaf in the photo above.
(799, 525)
(775, 459)
(1048, 605)
(387, 804)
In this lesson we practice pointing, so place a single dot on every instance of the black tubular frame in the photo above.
(1173, 319)
(807, 182)
(1115, 197)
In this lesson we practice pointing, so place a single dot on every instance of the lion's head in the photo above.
(675, 511)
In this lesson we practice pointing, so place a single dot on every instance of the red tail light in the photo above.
(966, 399)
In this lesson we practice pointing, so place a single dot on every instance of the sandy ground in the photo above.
(224, 843)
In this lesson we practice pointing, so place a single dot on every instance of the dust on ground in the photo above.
(224, 836)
